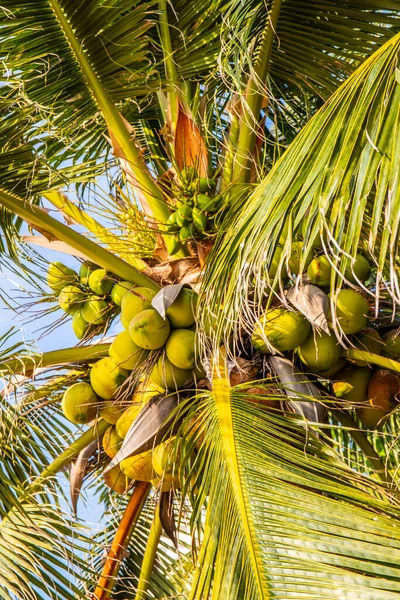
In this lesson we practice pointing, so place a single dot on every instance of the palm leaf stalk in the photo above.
(116, 126)
(26, 365)
(38, 218)
(121, 540)
(252, 100)
(149, 557)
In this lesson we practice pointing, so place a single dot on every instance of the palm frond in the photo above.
(114, 37)
(339, 178)
(315, 527)
(339, 37)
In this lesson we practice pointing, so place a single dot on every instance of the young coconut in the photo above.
(80, 403)
(282, 329)
(85, 270)
(119, 290)
(149, 330)
(351, 384)
(71, 299)
(383, 391)
(80, 327)
(359, 271)
(352, 311)
(116, 480)
(111, 442)
(126, 419)
(335, 369)
(125, 353)
(142, 395)
(135, 301)
(182, 311)
(139, 467)
(100, 282)
(94, 311)
(168, 377)
(296, 257)
(319, 352)
(111, 411)
(391, 340)
(59, 275)
(367, 340)
(106, 377)
(180, 348)
(319, 271)
(166, 465)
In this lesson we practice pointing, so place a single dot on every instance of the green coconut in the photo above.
(111, 442)
(296, 255)
(206, 184)
(119, 290)
(139, 467)
(94, 311)
(319, 271)
(335, 369)
(106, 377)
(282, 328)
(127, 418)
(59, 275)
(180, 348)
(352, 311)
(112, 411)
(149, 330)
(126, 353)
(71, 299)
(80, 326)
(84, 272)
(116, 480)
(359, 271)
(133, 302)
(181, 313)
(319, 352)
(80, 403)
(351, 384)
(163, 457)
(100, 282)
(166, 464)
(167, 376)
(391, 348)
(368, 340)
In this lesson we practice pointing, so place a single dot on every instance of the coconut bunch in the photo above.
(195, 205)
(152, 357)
(317, 339)
(88, 296)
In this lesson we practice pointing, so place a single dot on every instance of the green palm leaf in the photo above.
(339, 177)
(288, 519)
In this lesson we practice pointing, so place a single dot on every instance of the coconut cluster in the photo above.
(87, 296)
(168, 344)
(374, 392)
(196, 205)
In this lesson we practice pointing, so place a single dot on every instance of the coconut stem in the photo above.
(26, 365)
(374, 359)
(149, 557)
(121, 540)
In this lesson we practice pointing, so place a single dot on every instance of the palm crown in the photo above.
(236, 221)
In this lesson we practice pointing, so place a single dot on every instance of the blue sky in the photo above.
(30, 329)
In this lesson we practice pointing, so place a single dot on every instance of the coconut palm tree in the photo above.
(244, 156)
